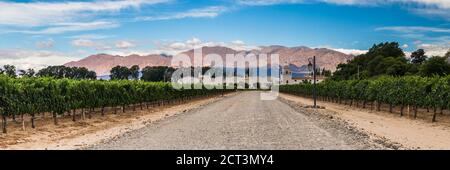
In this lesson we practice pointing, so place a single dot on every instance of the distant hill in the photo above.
(102, 63)
(299, 56)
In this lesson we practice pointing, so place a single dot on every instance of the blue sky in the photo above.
(39, 33)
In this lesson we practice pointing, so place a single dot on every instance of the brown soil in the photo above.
(412, 133)
(82, 133)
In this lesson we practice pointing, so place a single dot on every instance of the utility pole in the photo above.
(314, 72)
(312, 67)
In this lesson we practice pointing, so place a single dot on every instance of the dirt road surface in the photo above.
(243, 121)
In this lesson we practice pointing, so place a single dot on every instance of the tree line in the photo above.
(149, 73)
(10, 70)
(389, 59)
(57, 72)
(60, 72)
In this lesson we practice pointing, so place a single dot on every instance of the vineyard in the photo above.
(404, 92)
(79, 98)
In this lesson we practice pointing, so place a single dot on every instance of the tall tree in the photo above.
(120, 73)
(134, 71)
(387, 49)
(435, 66)
(418, 57)
(91, 75)
(156, 74)
(30, 72)
(382, 59)
(10, 70)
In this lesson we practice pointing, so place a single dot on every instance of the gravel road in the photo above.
(241, 121)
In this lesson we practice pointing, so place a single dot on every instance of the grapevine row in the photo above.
(32, 96)
(417, 92)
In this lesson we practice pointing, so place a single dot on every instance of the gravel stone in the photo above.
(243, 121)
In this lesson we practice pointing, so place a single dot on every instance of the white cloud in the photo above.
(417, 42)
(405, 46)
(24, 59)
(347, 51)
(433, 12)
(90, 36)
(127, 52)
(268, 2)
(45, 13)
(58, 17)
(435, 49)
(69, 27)
(445, 4)
(238, 42)
(434, 40)
(417, 32)
(125, 44)
(97, 44)
(240, 45)
(350, 51)
(194, 42)
(407, 54)
(176, 47)
(440, 8)
(208, 12)
(87, 43)
(413, 29)
(49, 43)
(83, 43)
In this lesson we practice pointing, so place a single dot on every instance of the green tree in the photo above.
(396, 66)
(418, 57)
(435, 66)
(120, 73)
(134, 71)
(387, 49)
(60, 72)
(345, 71)
(373, 63)
(413, 69)
(156, 74)
(374, 66)
(10, 70)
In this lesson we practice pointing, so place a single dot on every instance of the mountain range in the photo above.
(325, 58)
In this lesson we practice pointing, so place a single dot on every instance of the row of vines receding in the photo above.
(34, 96)
(431, 93)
